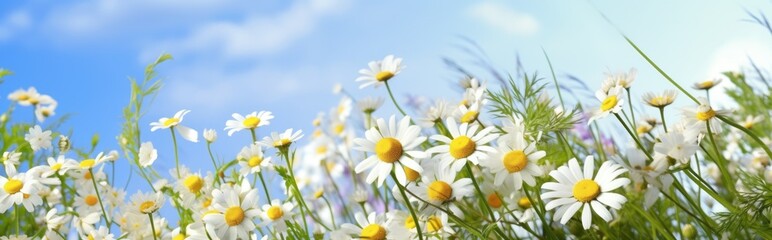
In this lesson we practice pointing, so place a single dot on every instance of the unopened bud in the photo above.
(210, 135)
(64, 144)
(94, 140)
(688, 231)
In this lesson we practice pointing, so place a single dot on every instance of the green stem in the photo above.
(409, 205)
(748, 132)
(332, 214)
(632, 113)
(18, 219)
(176, 154)
(662, 116)
(152, 225)
(479, 191)
(267, 195)
(388, 88)
(635, 137)
(214, 163)
(93, 181)
(721, 162)
(554, 78)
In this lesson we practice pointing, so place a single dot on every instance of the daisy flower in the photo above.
(252, 160)
(432, 225)
(393, 147)
(190, 183)
(210, 135)
(369, 104)
(90, 163)
(622, 79)
(660, 100)
(648, 177)
(611, 102)
(15, 187)
(86, 201)
(102, 233)
(60, 165)
(146, 203)
(380, 71)
(44, 111)
(374, 226)
(707, 84)
(702, 115)
(147, 154)
(250, 121)
(576, 189)
(10, 159)
(751, 121)
(440, 110)
(515, 161)
(174, 123)
(38, 139)
(282, 140)
(442, 189)
(344, 108)
(276, 213)
(676, 146)
(466, 144)
(469, 114)
(235, 214)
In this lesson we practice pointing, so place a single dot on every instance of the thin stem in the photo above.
(394, 100)
(632, 113)
(637, 141)
(662, 116)
(152, 225)
(407, 202)
(332, 214)
(479, 192)
(267, 195)
(18, 219)
(93, 181)
(720, 161)
(176, 154)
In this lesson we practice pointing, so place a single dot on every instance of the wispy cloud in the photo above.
(504, 18)
(15, 21)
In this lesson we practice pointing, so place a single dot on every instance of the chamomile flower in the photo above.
(86, 201)
(702, 115)
(611, 102)
(146, 203)
(103, 233)
(751, 121)
(190, 183)
(210, 135)
(442, 189)
(282, 140)
(514, 161)
(38, 139)
(250, 121)
(380, 71)
(435, 225)
(11, 159)
(90, 163)
(707, 84)
(393, 146)
(577, 189)
(252, 160)
(374, 226)
(677, 146)
(465, 144)
(276, 213)
(648, 177)
(344, 108)
(622, 79)
(660, 100)
(42, 112)
(440, 110)
(174, 123)
(469, 114)
(147, 154)
(19, 189)
(369, 104)
(235, 214)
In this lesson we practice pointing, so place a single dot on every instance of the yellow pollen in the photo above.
(383, 76)
(274, 212)
(609, 103)
(462, 146)
(706, 115)
(321, 149)
(338, 129)
(23, 97)
(586, 190)
(254, 161)
(439, 191)
(389, 150)
(147, 207)
(411, 174)
(171, 122)
(179, 237)
(234, 216)
(494, 201)
(13, 186)
(251, 122)
(469, 116)
(206, 203)
(524, 203)
(515, 161)
(88, 163)
(409, 222)
(91, 200)
(193, 183)
(282, 142)
(373, 232)
(317, 133)
(433, 224)
(56, 167)
(706, 84)
(90, 237)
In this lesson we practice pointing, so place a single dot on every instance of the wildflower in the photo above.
(90, 163)
(611, 102)
(10, 159)
(103, 233)
(250, 121)
(42, 112)
(174, 122)
(649, 177)
(147, 154)
(86, 201)
(19, 189)
(369, 104)
(702, 115)
(393, 147)
(252, 160)
(621, 79)
(374, 226)
(146, 203)
(751, 121)
(276, 213)
(514, 161)
(210, 135)
(344, 109)
(190, 183)
(380, 71)
(442, 189)
(283, 140)
(466, 144)
(235, 213)
(440, 110)
(576, 189)
(707, 84)
(469, 114)
(38, 139)
(676, 146)
(660, 100)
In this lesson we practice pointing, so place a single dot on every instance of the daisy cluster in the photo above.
(507, 162)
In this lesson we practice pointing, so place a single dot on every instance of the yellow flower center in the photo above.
(13, 186)
(373, 232)
(494, 200)
(388, 150)
(706, 115)
(524, 202)
(147, 207)
(433, 224)
(206, 203)
(411, 174)
(34, 101)
(171, 122)
(88, 163)
(706, 84)
(234, 216)
(643, 129)
(462, 146)
(251, 122)
(514, 161)
(439, 191)
(586, 190)
(274, 212)
(469, 116)
(321, 149)
(383, 76)
(193, 183)
(318, 194)
(254, 161)
(91, 200)
(23, 97)
(409, 222)
(609, 103)
(56, 167)
(282, 142)
(338, 129)
(179, 237)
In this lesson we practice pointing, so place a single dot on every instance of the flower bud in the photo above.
(210, 135)
(688, 231)
(64, 144)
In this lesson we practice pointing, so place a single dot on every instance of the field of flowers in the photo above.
(503, 160)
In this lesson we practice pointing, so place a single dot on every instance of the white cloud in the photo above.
(734, 55)
(504, 18)
(15, 21)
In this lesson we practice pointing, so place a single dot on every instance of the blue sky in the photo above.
(285, 56)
